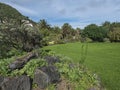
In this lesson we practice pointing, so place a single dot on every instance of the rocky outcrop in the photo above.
(41, 79)
(46, 75)
(52, 72)
(43, 76)
(51, 60)
(1, 81)
(20, 62)
(16, 83)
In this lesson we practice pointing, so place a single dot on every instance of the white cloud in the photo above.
(75, 12)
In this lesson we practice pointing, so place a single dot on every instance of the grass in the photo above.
(101, 58)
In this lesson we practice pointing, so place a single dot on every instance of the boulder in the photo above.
(41, 79)
(20, 62)
(46, 75)
(52, 72)
(51, 60)
(1, 81)
(16, 83)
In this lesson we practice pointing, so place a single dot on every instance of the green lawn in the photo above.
(102, 58)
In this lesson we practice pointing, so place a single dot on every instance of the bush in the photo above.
(96, 33)
(20, 37)
(88, 40)
(106, 40)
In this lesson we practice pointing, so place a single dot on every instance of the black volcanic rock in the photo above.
(51, 60)
(20, 62)
(16, 83)
(46, 75)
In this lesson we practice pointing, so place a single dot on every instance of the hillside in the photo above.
(7, 12)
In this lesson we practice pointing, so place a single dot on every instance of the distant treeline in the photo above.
(107, 32)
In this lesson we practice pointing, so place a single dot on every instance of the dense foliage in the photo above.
(77, 75)
(114, 32)
(95, 33)
(107, 32)
(16, 32)
(7, 12)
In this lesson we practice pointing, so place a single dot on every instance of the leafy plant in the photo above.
(4, 70)
(79, 76)
(29, 67)
(51, 87)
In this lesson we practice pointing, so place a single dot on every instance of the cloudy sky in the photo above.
(78, 13)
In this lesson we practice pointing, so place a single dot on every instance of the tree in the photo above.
(43, 24)
(113, 31)
(114, 34)
(56, 30)
(44, 28)
(78, 33)
(106, 24)
(66, 30)
(95, 32)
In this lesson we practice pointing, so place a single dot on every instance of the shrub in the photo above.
(106, 40)
(89, 40)
(20, 37)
